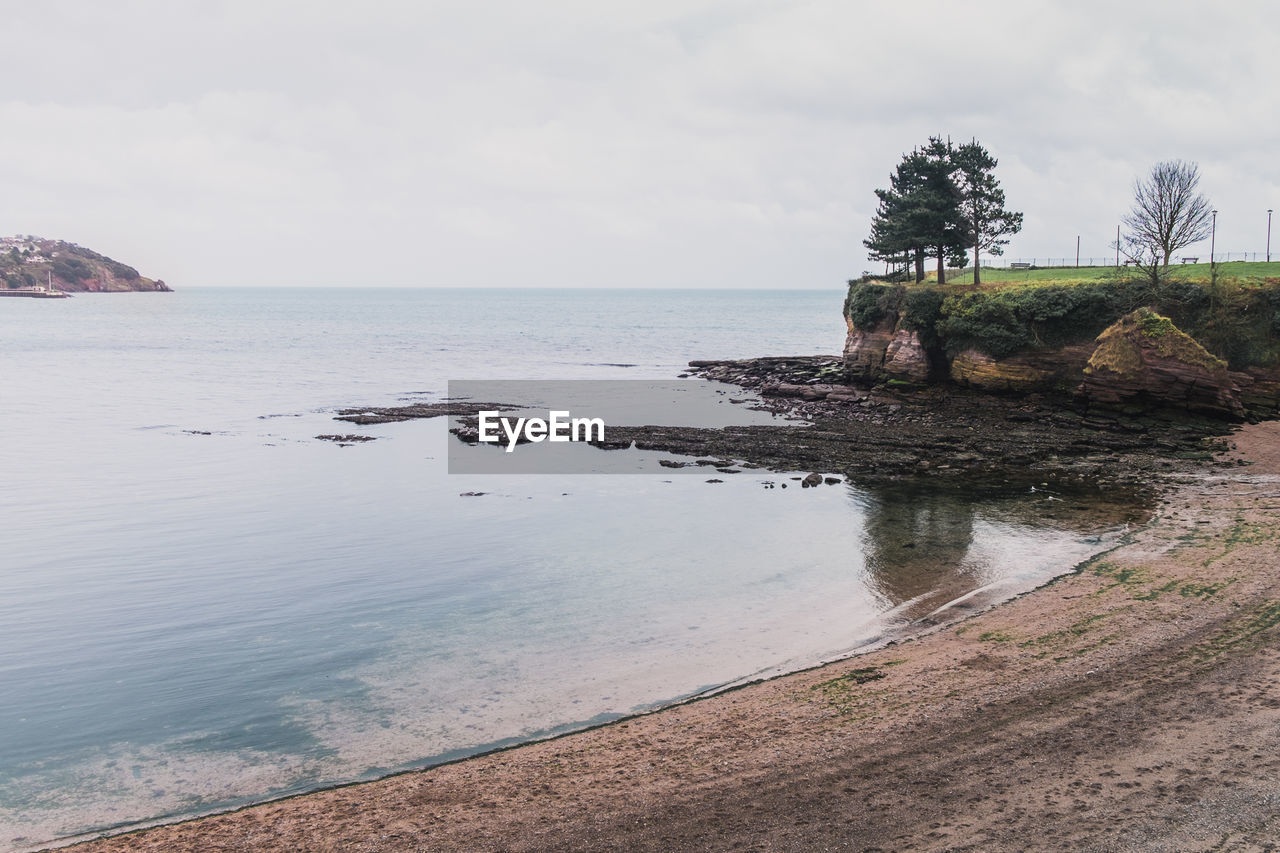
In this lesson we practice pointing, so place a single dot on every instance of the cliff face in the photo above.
(865, 349)
(36, 262)
(1024, 371)
(886, 352)
(905, 358)
(1085, 343)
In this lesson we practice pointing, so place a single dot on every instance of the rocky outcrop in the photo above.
(865, 349)
(1024, 371)
(1144, 359)
(905, 357)
(979, 370)
(1259, 391)
(1020, 340)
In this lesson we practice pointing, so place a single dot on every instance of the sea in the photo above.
(203, 605)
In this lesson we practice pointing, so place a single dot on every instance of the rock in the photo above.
(671, 463)
(783, 389)
(865, 349)
(1144, 357)
(905, 358)
(471, 494)
(811, 480)
(820, 391)
(385, 415)
(1024, 371)
(1259, 391)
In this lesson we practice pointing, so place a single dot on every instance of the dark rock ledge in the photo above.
(886, 433)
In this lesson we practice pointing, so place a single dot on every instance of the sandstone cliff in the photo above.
(865, 349)
(1024, 371)
(1198, 346)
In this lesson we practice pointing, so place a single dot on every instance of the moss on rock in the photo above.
(1144, 356)
(1120, 346)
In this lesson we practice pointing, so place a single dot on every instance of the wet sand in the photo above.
(1132, 705)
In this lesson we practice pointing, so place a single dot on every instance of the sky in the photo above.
(636, 143)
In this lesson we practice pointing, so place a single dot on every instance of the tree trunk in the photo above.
(919, 265)
(977, 277)
(942, 266)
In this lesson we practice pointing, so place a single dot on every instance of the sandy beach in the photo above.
(1131, 705)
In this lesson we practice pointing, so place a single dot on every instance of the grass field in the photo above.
(1240, 272)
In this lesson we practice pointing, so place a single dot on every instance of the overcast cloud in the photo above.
(654, 143)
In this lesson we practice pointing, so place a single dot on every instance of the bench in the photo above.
(1019, 265)
(1132, 263)
(1191, 260)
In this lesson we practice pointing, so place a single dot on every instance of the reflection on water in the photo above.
(926, 545)
(916, 541)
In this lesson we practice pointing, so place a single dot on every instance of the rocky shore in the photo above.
(882, 433)
(887, 432)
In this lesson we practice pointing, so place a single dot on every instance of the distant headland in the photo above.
(28, 262)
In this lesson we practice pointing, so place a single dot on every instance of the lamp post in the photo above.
(1213, 235)
(1268, 235)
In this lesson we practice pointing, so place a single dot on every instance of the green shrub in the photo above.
(1002, 322)
(71, 269)
(987, 321)
(124, 272)
(868, 303)
(920, 311)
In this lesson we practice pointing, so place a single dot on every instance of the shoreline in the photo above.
(908, 621)
(1123, 704)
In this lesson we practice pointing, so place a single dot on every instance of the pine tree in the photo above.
(939, 206)
(896, 231)
(981, 202)
(941, 201)
(918, 215)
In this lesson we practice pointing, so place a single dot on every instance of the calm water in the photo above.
(192, 621)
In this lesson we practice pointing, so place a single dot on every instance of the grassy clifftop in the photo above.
(29, 261)
(1235, 316)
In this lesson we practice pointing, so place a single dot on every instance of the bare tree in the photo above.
(1168, 214)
